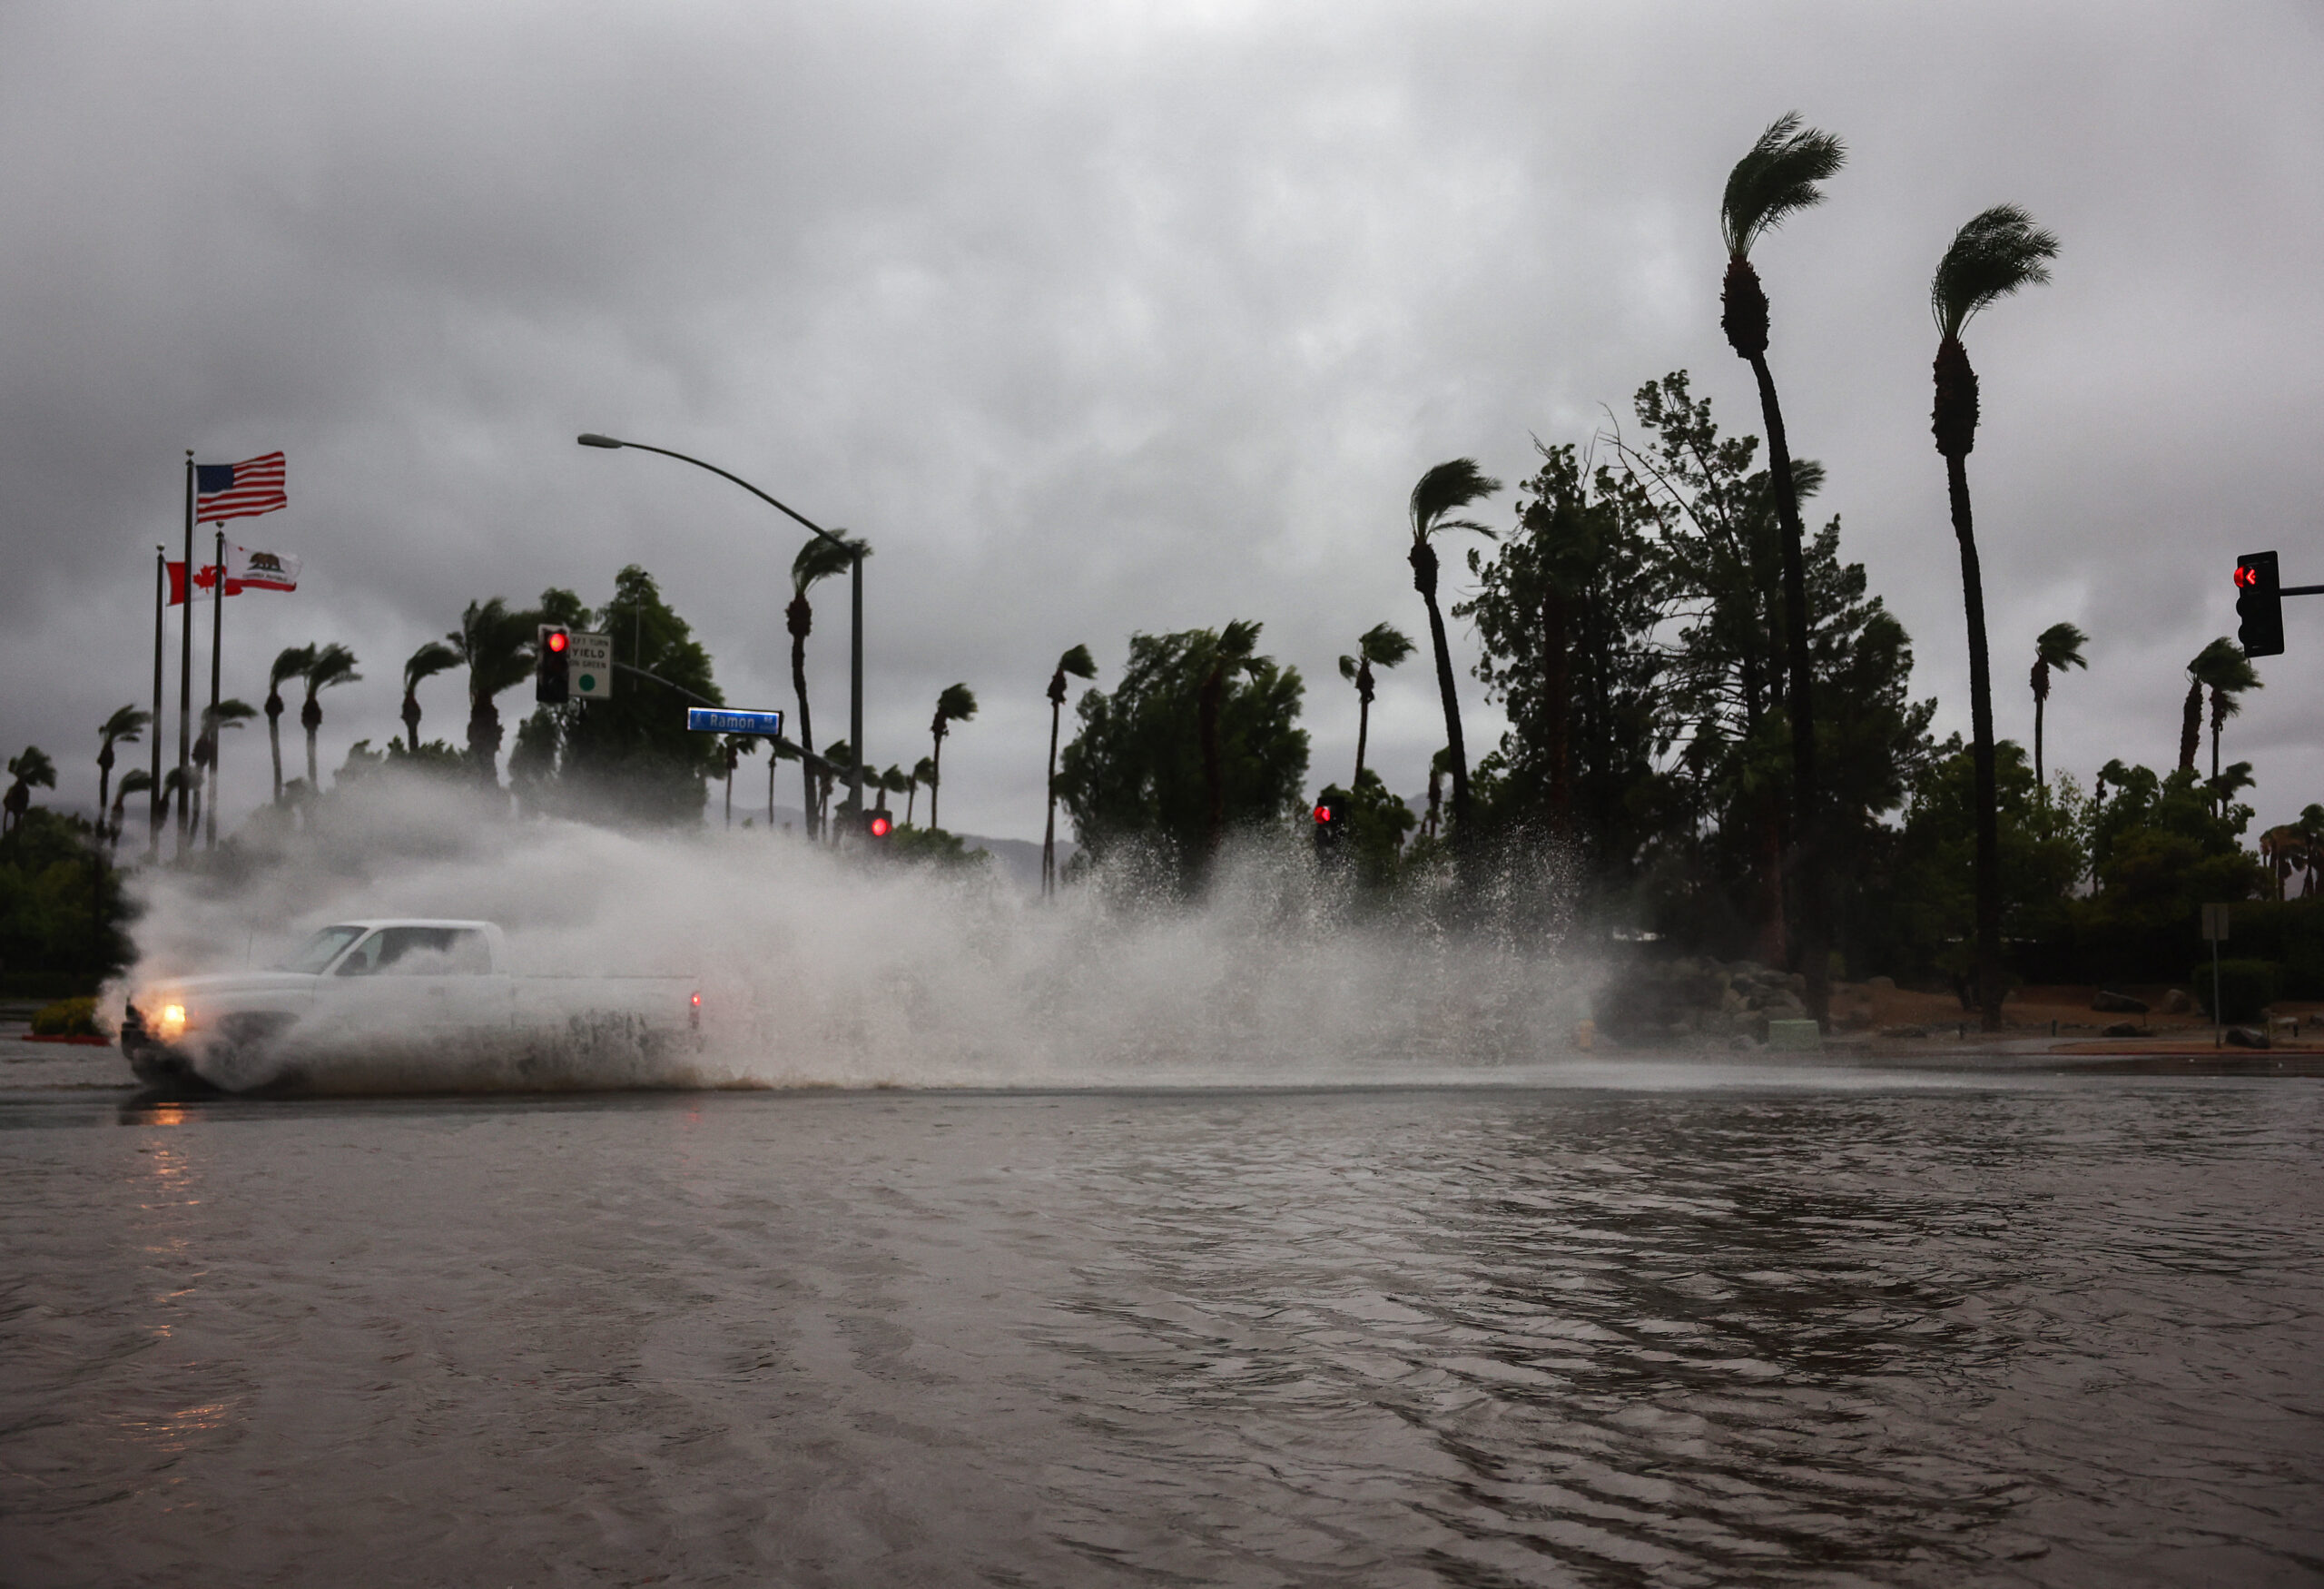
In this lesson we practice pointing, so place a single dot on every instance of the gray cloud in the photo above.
(1097, 318)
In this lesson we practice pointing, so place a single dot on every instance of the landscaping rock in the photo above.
(2110, 1003)
(2244, 1037)
(1884, 984)
(2177, 1003)
(2124, 1029)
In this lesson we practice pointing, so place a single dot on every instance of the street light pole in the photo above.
(855, 564)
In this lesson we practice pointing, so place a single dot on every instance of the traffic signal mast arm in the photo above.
(814, 763)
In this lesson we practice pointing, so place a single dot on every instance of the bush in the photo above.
(2246, 987)
(67, 1017)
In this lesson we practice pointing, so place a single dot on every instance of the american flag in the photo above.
(238, 490)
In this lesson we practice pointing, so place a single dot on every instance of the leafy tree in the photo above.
(1443, 491)
(818, 560)
(63, 913)
(422, 665)
(1076, 662)
(1777, 178)
(1132, 778)
(1994, 254)
(290, 663)
(954, 704)
(631, 757)
(2058, 648)
(1382, 644)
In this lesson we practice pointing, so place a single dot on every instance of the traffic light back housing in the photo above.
(553, 665)
(2259, 605)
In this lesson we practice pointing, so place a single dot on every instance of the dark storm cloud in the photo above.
(1097, 318)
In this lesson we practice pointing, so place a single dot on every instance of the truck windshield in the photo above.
(320, 949)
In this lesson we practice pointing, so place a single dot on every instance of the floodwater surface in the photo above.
(1824, 1329)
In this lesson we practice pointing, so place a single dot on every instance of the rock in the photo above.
(2177, 1003)
(2118, 1004)
(1884, 985)
(1904, 1032)
(2124, 1028)
(1794, 1035)
(2245, 1037)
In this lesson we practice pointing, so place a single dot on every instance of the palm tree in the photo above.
(1441, 492)
(424, 664)
(2058, 648)
(289, 663)
(778, 752)
(1234, 649)
(2311, 837)
(497, 647)
(895, 781)
(123, 727)
(2222, 669)
(1077, 662)
(1386, 646)
(333, 665)
(29, 771)
(956, 703)
(923, 771)
(833, 764)
(227, 714)
(135, 780)
(1993, 256)
(1776, 179)
(736, 746)
(818, 560)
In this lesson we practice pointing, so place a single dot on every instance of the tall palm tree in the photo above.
(122, 727)
(1079, 663)
(333, 665)
(27, 772)
(289, 663)
(2058, 648)
(2224, 669)
(923, 771)
(1993, 256)
(818, 560)
(174, 784)
(135, 780)
(496, 644)
(836, 759)
(956, 703)
(1776, 179)
(1442, 491)
(2311, 835)
(227, 714)
(1383, 646)
(778, 752)
(424, 664)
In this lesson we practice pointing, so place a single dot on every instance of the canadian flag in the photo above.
(245, 570)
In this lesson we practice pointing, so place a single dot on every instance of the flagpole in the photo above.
(153, 795)
(185, 663)
(212, 726)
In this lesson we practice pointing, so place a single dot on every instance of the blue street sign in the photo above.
(719, 720)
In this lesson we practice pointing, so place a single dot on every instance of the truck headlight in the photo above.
(172, 1025)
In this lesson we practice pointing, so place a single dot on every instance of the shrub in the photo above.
(67, 1017)
(2246, 987)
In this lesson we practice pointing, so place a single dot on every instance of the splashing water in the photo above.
(823, 968)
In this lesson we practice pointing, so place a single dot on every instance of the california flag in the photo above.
(262, 571)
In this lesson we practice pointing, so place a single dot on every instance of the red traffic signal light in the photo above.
(2259, 605)
(552, 665)
(877, 824)
(1326, 814)
(559, 641)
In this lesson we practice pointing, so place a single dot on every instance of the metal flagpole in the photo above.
(217, 738)
(185, 661)
(153, 795)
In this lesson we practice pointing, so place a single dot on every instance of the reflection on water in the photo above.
(2002, 1331)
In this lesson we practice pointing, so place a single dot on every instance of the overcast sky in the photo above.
(1100, 318)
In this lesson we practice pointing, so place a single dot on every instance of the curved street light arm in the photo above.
(592, 439)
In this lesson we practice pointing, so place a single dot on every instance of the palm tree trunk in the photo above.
(2190, 727)
(1363, 717)
(911, 799)
(2219, 721)
(801, 619)
(1424, 561)
(935, 772)
(411, 722)
(1807, 799)
(310, 717)
(1048, 833)
(274, 740)
(1981, 725)
(2040, 780)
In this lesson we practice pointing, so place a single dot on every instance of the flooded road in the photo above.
(1817, 1327)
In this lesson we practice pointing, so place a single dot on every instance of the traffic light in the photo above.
(2259, 604)
(1333, 816)
(553, 665)
(877, 825)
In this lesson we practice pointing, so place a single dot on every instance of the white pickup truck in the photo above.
(405, 1004)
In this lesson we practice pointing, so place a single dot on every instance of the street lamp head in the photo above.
(591, 438)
